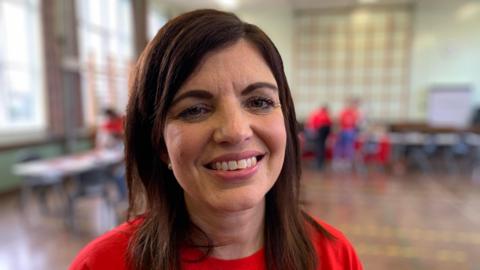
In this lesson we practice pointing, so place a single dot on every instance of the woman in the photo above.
(213, 162)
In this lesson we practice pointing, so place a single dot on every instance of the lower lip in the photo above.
(236, 175)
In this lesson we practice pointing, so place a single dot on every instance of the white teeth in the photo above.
(232, 165)
(224, 166)
(242, 164)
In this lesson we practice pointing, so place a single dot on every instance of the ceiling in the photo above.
(295, 4)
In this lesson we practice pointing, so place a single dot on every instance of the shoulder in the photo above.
(108, 251)
(333, 248)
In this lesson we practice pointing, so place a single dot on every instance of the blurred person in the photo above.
(349, 122)
(110, 132)
(213, 159)
(375, 146)
(110, 136)
(319, 123)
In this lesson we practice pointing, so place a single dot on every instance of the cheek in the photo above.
(275, 138)
(276, 135)
(179, 149)
(176, 139)
(183, 142)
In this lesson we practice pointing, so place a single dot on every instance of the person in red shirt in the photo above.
(349, 126)
(110, 252)
(213, 160)
(109, 136)
(110, 132)
(320, 123)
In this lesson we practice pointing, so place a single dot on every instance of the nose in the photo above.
(233, 125)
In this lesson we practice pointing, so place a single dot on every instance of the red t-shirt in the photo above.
(349, 118)
(318, 119)
(114, 126)
(109, 252)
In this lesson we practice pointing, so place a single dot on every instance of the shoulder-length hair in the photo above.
(165, 64)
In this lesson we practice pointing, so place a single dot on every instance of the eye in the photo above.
(260, 104)
(195, 112)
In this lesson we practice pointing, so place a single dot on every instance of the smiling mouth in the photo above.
(235, 165)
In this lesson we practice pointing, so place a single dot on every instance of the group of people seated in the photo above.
(346, 140)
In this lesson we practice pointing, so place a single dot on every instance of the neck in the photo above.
(234, 234)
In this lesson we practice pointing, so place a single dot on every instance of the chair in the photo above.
(418, 149)
(90, 184)
(38, 186)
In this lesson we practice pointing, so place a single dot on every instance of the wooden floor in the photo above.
(410, 221)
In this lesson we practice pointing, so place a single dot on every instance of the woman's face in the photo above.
(225, 133)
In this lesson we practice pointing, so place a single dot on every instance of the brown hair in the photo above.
(165, 64)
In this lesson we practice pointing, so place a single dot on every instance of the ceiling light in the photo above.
(367, 1)
(228, 4)
(360, 17)
(468, 11)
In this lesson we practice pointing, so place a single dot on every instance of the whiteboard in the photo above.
(450, 106)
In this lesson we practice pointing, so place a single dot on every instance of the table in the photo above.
(82, 167)
(69, 165)
(422, 148)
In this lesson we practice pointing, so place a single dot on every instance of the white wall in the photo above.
(277, 23)
(446, 49)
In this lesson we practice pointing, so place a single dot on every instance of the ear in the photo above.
(164, 154)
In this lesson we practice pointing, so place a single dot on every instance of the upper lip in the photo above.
(236, 156)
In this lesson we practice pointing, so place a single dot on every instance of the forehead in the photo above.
(237, 66)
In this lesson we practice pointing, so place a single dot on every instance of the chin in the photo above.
(240, 203)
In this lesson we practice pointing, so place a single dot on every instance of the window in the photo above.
(22, 90)
(106, 54)
(156, 19)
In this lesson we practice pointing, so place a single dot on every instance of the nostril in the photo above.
(232, 135)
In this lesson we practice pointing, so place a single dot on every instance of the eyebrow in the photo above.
(204, 94)
(195, 93)
(252, 87)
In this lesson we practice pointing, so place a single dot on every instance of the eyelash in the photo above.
(189, 113)
(199, 111)
(266, 106)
